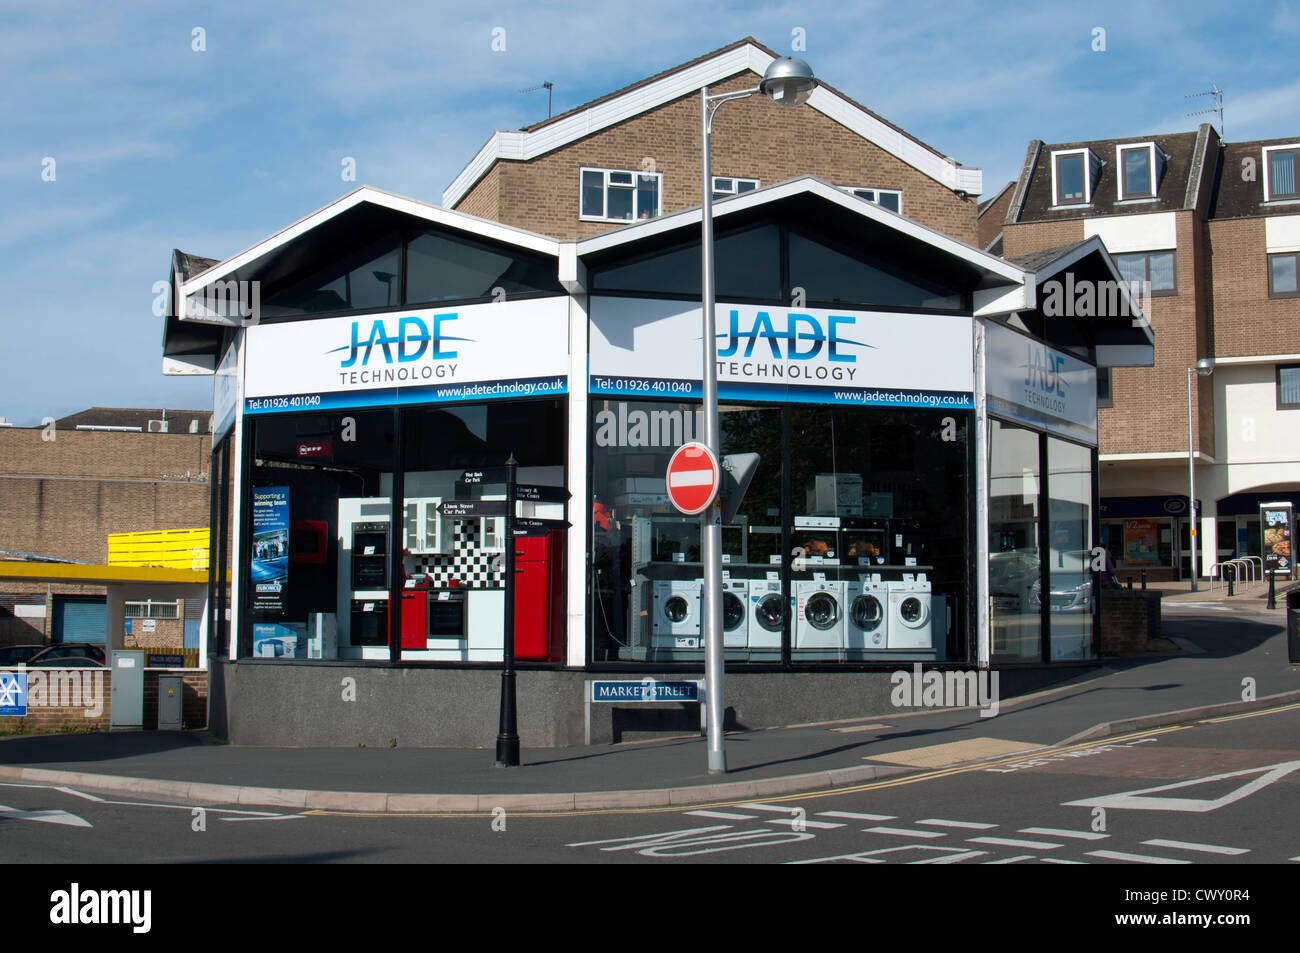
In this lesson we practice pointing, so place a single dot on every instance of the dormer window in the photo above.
(1280, 172)
(1074, 173)
(1140, 166)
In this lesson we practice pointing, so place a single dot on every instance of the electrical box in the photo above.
(171, 691)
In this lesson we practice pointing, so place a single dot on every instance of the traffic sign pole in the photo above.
(508, 730)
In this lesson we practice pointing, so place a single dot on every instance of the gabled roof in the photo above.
(710, 69)
(988, 203)
(1237, 197)
(1000, 285)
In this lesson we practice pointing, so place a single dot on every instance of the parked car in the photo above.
(70, 655)
(1013, 581)
(19, 654)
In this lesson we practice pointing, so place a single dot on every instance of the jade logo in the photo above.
(409, 341)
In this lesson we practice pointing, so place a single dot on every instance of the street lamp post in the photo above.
(788, 82)
(1204, 367)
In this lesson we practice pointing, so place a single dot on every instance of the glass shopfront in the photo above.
(325, 566)
(849, 545)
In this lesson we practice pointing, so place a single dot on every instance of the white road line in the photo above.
(791, 822)
(904, 832)
(1135, 858)
(972, 825)
(45, 817)
(1297, 859)
(1204, 848)
(1014, 842)
(858, 817)
(779, 809)
(274, 817)
(1061, 832)
(723, 815)
(952, 858)
(1011, 860)
(1062, 860)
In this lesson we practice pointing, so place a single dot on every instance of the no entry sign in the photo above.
(692, 478)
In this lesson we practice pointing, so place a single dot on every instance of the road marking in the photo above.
(1062, 860)
(858, 817)
(1204, 848)
(953, 752)
(173, 807)
(1014, 842)
(856, 728)
(904, 832)
(940, 822)
(1135, 800)
(948, 855)
(1059, 832)
(1135, 858)
(273, 817)
(1011, 860)
(721, 815)
(45, 817)
(952, 858)
(793, 822)
(767, 807)
(649, 838)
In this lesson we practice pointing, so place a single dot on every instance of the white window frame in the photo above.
(151, 609)
(874, 197)
(1268, 186)
(1088, 157)
(1154, 155)
(659, 193)
(735, 181)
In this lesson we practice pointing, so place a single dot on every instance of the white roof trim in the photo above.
(806, 183)
(523, 146)
(432, 213)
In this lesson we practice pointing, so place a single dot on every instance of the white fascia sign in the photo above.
(1037, 385)
(433, 355)
(651, 348)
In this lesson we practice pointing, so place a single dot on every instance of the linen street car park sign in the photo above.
(693, 478)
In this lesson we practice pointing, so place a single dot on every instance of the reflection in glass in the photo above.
(1014, 565)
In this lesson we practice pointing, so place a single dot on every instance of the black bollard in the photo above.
(1130, 583)
(1144, 580)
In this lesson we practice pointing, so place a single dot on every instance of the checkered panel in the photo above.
(468, 564)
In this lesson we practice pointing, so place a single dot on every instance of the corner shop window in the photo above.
(1069, 554)
(1015, 566)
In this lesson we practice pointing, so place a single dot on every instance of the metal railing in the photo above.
(1242, 567)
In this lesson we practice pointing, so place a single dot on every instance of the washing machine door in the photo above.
(914, 611)
(733, 612)
(677, 609)
(768, 613)
(867, 613)
(821, 611)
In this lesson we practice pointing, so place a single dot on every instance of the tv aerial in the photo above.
(546, 86)
(1216, 109)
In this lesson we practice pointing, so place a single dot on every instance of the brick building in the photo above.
(1214, 227)
(635, 154)
(65, 486)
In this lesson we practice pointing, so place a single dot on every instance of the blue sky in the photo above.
(158, 145)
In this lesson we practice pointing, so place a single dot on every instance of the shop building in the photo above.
(914, 406)
(1214, 227)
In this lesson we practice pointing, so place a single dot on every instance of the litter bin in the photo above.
(1293, 625)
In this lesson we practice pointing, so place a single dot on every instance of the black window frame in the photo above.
(1105, 392)
(1295, 257)
(1155, 292)
(1282, 405)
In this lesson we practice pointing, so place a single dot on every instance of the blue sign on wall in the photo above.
(645, 690)
(13, 694)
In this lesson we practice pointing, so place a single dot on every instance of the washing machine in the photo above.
(909, 613)
(735, 613)
(819, 614)
(677, 608)
(766, 613)
(867, 623)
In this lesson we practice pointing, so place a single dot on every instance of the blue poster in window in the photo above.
(270, 572)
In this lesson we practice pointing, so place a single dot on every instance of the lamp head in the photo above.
(1205, 366)
(788, 82)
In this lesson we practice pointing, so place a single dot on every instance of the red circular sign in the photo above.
(693, 477)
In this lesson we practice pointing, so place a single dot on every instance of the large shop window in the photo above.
(325, 562)
(1033, 521)
(852, 551)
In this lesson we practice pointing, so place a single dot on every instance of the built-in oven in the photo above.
(448, 618)
(369, 556)
(369, 622)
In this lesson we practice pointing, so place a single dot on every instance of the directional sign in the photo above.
(541, 494)
(467, 508)
(693, 478)
(486, 475)
(532, 526)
